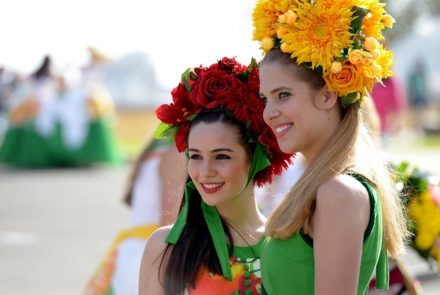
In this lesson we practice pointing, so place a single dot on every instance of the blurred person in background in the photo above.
(390, 102)
(54, 124)
(8, 83)
(30, 139)
(153, 190)
(87, 116)
(418, 99)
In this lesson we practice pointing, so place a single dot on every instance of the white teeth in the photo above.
(211, 186)
(282, 128)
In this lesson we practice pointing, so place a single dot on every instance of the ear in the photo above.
(325, 99)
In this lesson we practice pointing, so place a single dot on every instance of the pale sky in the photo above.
(176, 34)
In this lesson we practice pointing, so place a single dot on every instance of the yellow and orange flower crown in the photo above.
(337, 38)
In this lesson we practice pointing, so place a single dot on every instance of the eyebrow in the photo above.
(213, 151)
(279, 89)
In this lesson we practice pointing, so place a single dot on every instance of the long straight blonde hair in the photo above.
(342, 154)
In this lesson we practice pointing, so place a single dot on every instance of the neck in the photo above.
(331, 127)
(244, 219)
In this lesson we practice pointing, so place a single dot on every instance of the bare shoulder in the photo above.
(342, 202)
(339, 222)
(150, 275)
(156, 242)
(343, 189)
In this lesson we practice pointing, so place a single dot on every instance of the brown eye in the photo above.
(222, 157)
(195, 157)
(283, 95)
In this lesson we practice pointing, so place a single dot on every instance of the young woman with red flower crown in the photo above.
(214, 245)
(333, 230)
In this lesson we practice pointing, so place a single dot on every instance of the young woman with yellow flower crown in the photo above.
(332, 232)
(213, 247)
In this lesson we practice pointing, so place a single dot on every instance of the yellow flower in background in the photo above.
(424, 241)
(320, 34)
(426, 215)
(265, 17)
(372, 25)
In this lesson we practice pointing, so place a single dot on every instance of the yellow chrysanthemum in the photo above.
(385, 61)
(265, 17)
(372, 24)
(320, 34)
(329, 3)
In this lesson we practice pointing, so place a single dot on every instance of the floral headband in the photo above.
(337, 38)
(233, 88)
(226, 85)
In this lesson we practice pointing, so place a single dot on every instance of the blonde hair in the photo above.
(295, 212)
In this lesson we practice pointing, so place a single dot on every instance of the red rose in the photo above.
(228, 64)
(212, 87)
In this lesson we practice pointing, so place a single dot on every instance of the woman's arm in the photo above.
(150, 280)
(339, 222)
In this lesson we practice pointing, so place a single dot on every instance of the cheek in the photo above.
(192, 170)
(266, 114)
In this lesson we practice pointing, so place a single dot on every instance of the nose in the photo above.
(270, 112)
(207, 169)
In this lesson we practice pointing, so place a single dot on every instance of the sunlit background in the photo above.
(150, 44)
(147, 45)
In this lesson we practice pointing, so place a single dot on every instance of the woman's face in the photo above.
(218, 164)
(290, 109)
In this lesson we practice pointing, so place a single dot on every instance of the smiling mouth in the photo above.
(280, 130)
(211, 188)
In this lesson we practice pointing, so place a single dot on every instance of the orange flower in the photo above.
(348, 80)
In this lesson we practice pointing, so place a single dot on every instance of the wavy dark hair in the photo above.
(195, 247)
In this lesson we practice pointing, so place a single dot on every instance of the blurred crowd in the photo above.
(47, 122)
(405, 105)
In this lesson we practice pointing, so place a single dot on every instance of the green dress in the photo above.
(288, 265)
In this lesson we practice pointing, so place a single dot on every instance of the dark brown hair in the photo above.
(195, 247)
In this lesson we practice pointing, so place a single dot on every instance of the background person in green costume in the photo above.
(214, 245)
(334, 229)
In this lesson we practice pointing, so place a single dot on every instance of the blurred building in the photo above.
(132, 82)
